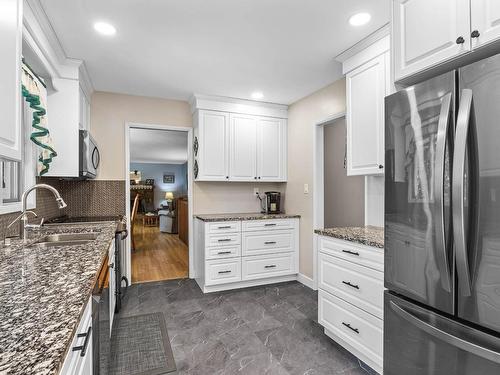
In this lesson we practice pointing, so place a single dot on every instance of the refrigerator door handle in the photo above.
(459, 230)
(468, 345)
(442, 136)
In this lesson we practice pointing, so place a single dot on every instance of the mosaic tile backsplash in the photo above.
(84, 198)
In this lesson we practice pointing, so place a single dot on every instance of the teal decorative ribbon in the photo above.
(40, 132)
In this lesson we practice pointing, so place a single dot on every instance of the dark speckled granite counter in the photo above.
(369, 235)
(242, 217)
(43, 293)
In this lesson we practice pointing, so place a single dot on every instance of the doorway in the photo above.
(334, 192)
(159, 202)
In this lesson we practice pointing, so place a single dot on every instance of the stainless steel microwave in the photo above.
(89, 157)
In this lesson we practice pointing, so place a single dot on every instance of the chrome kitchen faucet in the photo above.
(24, 214)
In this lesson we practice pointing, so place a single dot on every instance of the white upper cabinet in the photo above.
(485, 21)
(367, 69)
(84, 122)
(239, 140)
(271, 153)
(10, 78)
(243, 148)
(366, 89)
(213, 142)
(428, 32)
(64, 116)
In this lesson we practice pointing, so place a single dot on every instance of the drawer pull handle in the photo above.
(83, 348)
(270, 266)
(224, 240)
(224, 252)
(270, 243)
(351, 252)
(270, 225)
(352, 329)
(225, 227)
(351, 285)
(222, 272)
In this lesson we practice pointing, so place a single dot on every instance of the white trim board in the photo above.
(242, 106)
(189, 130)
(318, 184)
(374, 37)
(306, 280)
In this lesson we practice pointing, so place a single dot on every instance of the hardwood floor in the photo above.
(158, 256)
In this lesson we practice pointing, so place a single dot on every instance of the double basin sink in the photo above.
(65, 239)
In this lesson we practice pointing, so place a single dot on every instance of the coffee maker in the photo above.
(271, 203)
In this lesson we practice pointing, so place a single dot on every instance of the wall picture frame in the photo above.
(169, 178)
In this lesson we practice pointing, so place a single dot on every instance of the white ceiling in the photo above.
(158, 146)
(174, 48)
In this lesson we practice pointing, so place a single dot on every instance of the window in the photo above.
(16, 176)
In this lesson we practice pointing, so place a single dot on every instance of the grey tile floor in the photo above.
(271, 329)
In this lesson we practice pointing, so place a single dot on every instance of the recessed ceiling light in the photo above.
(360, 19)
(257, 95)
(104, 28)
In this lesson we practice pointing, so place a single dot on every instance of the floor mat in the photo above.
(140, 346)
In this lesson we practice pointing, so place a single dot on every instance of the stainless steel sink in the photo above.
(69, 237)
(65, 239)
(46, 245)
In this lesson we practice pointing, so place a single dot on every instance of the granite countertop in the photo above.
(369, 235)
(43, 293)
(244, 216)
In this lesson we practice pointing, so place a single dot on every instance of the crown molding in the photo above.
(85, 81)
(364, 43)
(41, 37)
(235, 105)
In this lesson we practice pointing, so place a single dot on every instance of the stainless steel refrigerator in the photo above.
(442, 224)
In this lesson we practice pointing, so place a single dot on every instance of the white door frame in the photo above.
(189, 131)
(319, 184)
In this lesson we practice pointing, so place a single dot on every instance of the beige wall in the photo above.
(344, 195)
(301, 117)
(110, 112)
(230, 197)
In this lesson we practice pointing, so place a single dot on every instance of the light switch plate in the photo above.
(306, 188)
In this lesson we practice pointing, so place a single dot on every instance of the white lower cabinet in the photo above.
(350, 298)
(79, 357)
(261, 266)
(263, 243)
(222, 271)
(240, 254)
(356, 330)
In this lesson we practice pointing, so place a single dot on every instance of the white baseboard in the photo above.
(307, 281)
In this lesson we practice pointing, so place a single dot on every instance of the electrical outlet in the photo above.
(256, 191)
(306, 188)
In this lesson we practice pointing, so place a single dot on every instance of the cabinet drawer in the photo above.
(257, 243)
(222, 252)
(360, 254)
(224, 227)
(260, 225)
(356, 327)
(258, 267)
(222, 271)
(74, 362)
(228, 239)
(359, 285)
